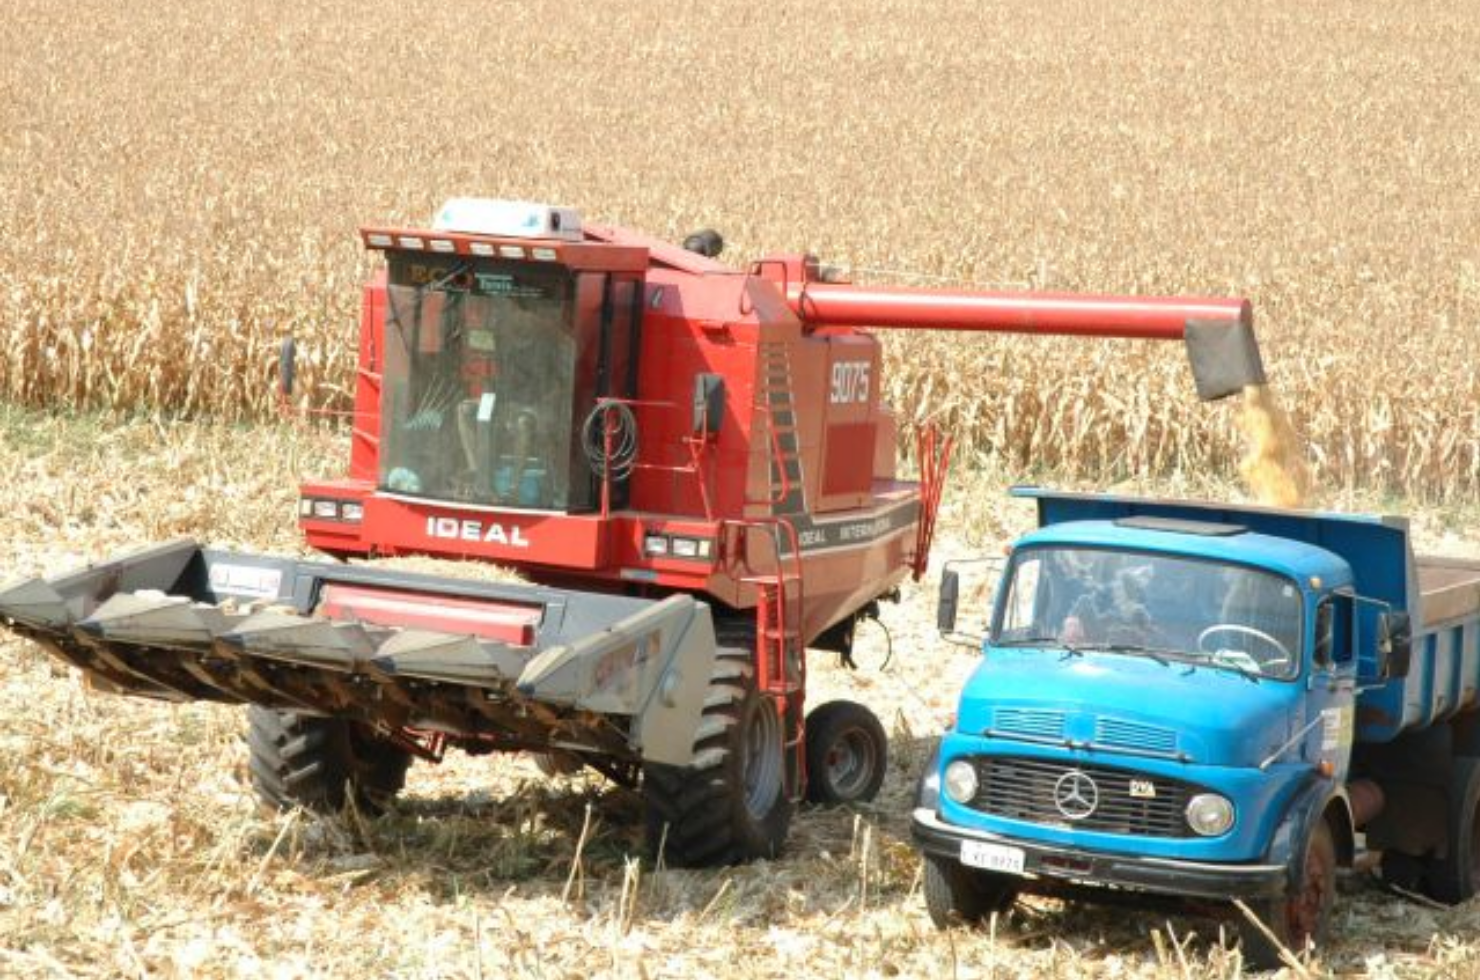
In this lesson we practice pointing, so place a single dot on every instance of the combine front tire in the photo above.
(322, 763)
(730, 804)
(847, 751)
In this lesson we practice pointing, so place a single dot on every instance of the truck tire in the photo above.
(956, 895)
(1303, 914)
(1455, 877)
(730, 805)
(321, 764)
(847, 753)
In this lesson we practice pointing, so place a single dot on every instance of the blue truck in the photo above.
(1210, 702)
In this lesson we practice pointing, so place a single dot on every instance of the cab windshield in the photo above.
(489, 371)
(1158, 606)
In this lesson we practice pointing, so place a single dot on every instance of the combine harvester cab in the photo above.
(693, 463)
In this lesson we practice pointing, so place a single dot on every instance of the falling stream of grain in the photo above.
(1274, 469)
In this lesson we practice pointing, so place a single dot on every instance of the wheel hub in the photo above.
(761, 761)
(850, 760)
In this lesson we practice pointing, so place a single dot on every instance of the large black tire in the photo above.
(322, 763)
(957, 895)
(1302, 916)
(731, 804)
(847, 753)
(1455, 877)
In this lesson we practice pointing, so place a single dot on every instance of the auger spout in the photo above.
(1219, 333)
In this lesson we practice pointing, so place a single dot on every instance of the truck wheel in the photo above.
(730, 804)
(1455, 877)
(847, 752)
(955, 895)
(1301, 916)
(316, 763)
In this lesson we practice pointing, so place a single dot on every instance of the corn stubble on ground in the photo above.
(178, 188)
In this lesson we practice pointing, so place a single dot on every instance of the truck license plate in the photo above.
(992, 857)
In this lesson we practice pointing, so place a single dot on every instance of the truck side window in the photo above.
(1343, 649)
(1325, 615)
(1022, 601)
(1333, 631)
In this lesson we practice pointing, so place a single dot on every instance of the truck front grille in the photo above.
(1042, 791)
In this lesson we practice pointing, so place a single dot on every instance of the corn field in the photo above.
(180, 185)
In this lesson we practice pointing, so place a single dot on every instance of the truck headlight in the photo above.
(1209, 814)
(960, 781)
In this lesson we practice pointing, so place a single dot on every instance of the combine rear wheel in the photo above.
(321, 763)
(730, 804)
(846, 753)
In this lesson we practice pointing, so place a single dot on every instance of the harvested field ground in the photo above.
(179, 188)
(130, 844)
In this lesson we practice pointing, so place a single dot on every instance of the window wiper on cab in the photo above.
(1151, 653)
(1044, 640)
(1226, 663)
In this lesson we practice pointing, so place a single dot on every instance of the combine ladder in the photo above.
(780, 657)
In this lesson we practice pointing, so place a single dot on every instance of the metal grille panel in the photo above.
(1032, 722)
(1132, 735)
(1024, 789)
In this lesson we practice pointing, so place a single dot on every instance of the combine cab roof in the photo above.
(588, 254)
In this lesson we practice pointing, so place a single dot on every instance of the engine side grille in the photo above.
(1032, 722)
(1131, 735)
(1024, 789)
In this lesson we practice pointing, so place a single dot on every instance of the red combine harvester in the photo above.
(690, 460)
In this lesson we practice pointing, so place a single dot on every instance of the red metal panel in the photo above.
(849, 463)
(364, 455)
(507, 622)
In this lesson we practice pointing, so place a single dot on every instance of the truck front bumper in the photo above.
(1072, 865)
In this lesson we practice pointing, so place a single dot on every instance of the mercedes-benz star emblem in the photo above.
(1076, 795)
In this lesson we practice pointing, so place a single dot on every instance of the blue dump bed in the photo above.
(1441, 595)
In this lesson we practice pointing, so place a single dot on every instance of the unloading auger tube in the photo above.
(528, 667)
(1219, 333)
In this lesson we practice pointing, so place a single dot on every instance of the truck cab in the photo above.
(1167, 702)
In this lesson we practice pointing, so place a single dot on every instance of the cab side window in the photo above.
(1021, 614)
(1343, 650)
(1333, 631)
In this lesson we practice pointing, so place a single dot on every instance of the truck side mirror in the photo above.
(709, 404)
(945, 608)
(1394, 644)
(287, 366)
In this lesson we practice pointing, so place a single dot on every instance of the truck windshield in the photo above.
(1161, 606)
(483, 380)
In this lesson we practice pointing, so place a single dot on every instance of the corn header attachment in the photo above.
(509, 666)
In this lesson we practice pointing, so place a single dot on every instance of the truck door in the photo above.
(1330, 705)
